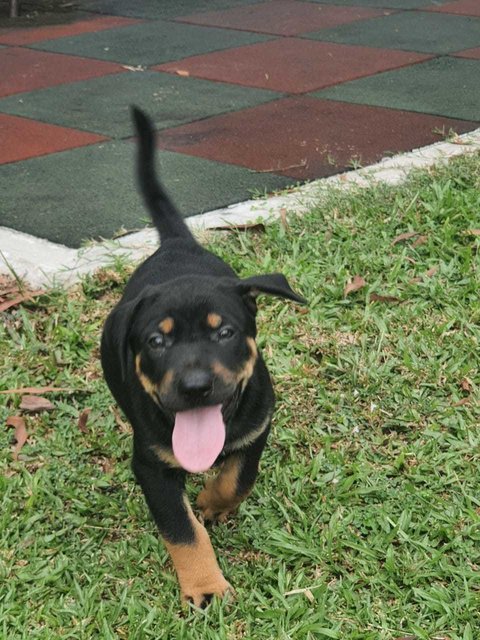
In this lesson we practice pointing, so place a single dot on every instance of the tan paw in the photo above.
(214, 509)
(201, 594)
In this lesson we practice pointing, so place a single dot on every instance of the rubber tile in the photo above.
(460, 7)
(158, 9)
(291, 65)
(283, 17)
(446, 86)
(150, 43)
(84, 25)
(87, 193)
(306, 138)
(469, 53)
(22, 138)
(409, 30)
(27, 70)
(102, 104)
(390, 4)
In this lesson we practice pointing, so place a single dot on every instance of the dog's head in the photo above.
(191, 344)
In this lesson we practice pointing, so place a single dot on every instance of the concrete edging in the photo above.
(42, 263)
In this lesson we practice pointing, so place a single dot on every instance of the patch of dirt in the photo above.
(38, 13)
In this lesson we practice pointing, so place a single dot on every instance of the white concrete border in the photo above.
(42, 263)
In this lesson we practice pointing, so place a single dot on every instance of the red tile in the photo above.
(23, 138)
(283, 17)
(459, 7)
(292, 65)
(27, 36)
(469, 53)
(27, 70)
(306, 138)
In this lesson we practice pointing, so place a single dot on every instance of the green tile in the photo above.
(387, 4)
(409, 30)
(150, 43)
(446, 87)
(157, 9)
(90, 192)
(101, 105)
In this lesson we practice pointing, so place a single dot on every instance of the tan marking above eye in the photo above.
(166, 325)
(214, 320)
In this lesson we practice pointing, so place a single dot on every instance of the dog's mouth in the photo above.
(198, 437)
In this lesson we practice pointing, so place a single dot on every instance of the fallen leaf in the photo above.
(247, 226)
(462, 402)
(404, 236)
(472, 232)
(21, 435)
(375, 297)
(83, 419)
(13, 302)
(466, 385)
(283, 218)
(35, 390)
(124, 426)
(419, 241)
(32, 404)
(357, 283)
(428, 274)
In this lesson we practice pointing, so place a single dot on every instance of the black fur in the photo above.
(184, 282)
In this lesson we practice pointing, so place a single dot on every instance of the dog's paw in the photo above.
(212, 508)
(201, 595)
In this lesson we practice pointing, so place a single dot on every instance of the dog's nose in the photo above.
(196, 381)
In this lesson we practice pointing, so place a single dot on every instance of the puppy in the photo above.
(179, 356)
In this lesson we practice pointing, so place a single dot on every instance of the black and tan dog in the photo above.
(179, 356)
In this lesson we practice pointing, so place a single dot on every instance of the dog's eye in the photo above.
(157, 341)
(225, 333)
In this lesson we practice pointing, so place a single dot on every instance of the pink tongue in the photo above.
(198, 437)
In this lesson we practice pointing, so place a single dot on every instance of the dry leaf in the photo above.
(431, 272)
(404, 236)
(462, 402)
(375, 297)
(33, 404)
(357, 283)
(283, 218)
(466, 384)
(13, 302)
(419, 241)
(83, 419)
(124, 426)
(428, 274)
(21, 434)
(472, 232)
(247, 226)
(36, 390)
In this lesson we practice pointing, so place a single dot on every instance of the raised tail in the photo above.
(165, 216)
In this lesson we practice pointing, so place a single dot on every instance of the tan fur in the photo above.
(196, 566)
(149, 386)
(219, 498)
(166, 456)
(214, 320)
(166, 325)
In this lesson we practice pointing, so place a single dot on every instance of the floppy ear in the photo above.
(117, 330)
(274, 284)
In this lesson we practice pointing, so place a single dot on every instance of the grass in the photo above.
(364, 522)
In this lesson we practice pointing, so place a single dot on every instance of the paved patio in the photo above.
(248, 97)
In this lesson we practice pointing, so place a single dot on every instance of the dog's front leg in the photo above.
(186, 539)
(223, 493)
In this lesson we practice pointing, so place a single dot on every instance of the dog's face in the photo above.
(193, 345)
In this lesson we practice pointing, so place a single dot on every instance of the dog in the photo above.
(180, 358)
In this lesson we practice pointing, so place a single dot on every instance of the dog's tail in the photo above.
(165, 216)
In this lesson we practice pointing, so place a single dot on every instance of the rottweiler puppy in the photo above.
(179, 356)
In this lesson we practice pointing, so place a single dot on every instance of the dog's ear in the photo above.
(118, 327)
(274, 284)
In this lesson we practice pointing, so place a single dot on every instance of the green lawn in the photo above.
(364, 522)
